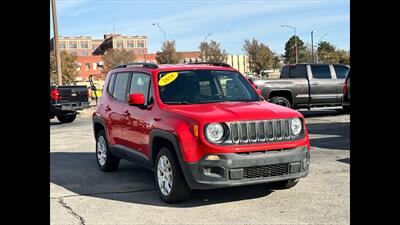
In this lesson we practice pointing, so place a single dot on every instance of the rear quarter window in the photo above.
(341, 71)
(321, 71)
(285, 72)
(298, 71)
(111, 83)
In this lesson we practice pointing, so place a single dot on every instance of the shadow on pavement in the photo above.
(345, 160)
(340, 132)
(78, 172)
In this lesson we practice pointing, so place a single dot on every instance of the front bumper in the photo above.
(235, 169)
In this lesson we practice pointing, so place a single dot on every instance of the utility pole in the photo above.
(55, 43)
(312, 47)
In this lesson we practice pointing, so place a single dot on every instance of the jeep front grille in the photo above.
(261, 131)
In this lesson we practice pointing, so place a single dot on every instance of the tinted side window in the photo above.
(298, 71)
(285, 72)
(321, 72)
(111, 83)
(121, 82)
(341, 71)
(140, 84)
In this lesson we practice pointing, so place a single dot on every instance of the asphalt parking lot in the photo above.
(81, 194)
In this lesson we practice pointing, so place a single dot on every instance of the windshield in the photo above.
(204, 86)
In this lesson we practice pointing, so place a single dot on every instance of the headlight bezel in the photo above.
(225, 132)
(301, 131)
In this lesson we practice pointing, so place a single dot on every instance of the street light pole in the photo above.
(312, 46)
(295, 40)
(156, 24)
(55, 43)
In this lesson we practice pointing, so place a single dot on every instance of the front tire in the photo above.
(66, 118)
(285, 184)
(170, 182)
(282, 101)
(106, 161)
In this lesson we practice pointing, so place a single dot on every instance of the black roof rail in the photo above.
(142, 64)
(211, 63)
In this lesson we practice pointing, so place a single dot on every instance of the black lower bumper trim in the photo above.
(242, 169)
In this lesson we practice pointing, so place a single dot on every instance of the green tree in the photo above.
(114, 57)
(68, 67)
(260, 56)
(211, 52)
(168, 54)
(343, 56)
(327, 53)
(276, 62)
(290, 55)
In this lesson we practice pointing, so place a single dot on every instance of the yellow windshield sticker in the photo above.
(167, 78)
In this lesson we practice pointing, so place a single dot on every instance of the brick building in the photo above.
(89, 65)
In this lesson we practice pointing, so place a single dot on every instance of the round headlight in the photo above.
(295, 125)
(214, 132)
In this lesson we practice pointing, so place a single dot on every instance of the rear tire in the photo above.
(282, 101)
(170, 182)
(107, 162)
(66, 118)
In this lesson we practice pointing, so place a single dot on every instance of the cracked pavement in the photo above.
(81, 194)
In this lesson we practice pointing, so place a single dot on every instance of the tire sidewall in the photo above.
(275, 99)
(166, 152)
(103, 167)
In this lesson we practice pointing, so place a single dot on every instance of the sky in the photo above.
(189, 21)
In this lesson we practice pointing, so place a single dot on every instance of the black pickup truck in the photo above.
(306, 86)
(65, 101)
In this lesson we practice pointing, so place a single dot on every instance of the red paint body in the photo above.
(130, 125)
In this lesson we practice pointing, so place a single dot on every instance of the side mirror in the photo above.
(258, 91)
(136, 99)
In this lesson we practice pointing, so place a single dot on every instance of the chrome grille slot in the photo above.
(234, 133)
(243, 132)
(252, 131)
(270, 131)
(261, 131)
(285, 129)
(278, 130)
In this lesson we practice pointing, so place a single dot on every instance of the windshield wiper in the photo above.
(178, 103)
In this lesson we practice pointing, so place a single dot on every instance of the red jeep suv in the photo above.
(197, 126)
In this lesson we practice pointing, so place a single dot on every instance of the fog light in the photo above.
(212, 157)
(216, 172)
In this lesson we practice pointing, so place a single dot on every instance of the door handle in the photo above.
(107, 108)
(314, 83)
(157, 119)
(126, 113)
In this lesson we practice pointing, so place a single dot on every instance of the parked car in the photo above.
(198, 126)
(65, 101)
(346, 92)
(306, 86)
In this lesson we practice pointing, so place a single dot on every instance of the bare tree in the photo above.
(211, 52)
(260, 56)
(115, 57)
(168, 54)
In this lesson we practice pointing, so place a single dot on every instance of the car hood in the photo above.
(234, 111)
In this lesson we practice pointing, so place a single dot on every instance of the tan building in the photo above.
(239, 62)
(86, 46)
(137, 44)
